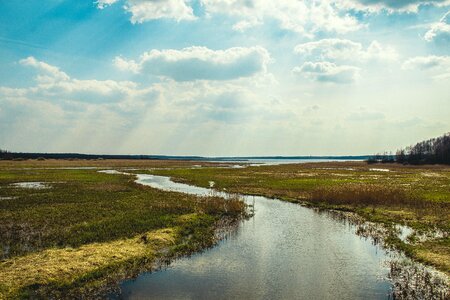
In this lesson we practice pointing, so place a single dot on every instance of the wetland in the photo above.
(255, 232)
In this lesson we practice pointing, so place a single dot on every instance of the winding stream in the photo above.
(285, 251)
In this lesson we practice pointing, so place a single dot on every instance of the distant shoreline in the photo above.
(22, 155)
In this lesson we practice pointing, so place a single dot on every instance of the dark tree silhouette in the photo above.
(3, 154)
(432, 151)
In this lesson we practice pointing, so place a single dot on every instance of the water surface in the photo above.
(285, 251)
(280, 161)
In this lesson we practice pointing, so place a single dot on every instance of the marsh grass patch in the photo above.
(91, 228)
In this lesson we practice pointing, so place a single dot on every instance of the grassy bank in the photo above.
(391, 194)
(85, 230)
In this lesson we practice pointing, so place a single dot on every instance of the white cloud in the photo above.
(167, 102)
(146, 10)
(8, 92)
(440, 31)
(101, 4)
(343, 49)
(333, 56)
(431, 62)
(229, 102)
(389, 5)
(377, 51)
(437, 66)
(126, 65)
(305, 17)
(246, 24)
(199, 63)
(50, 70)
(325, 71)
(52, 83)
(325, 16)
(60, 113)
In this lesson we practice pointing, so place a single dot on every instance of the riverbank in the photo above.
(389, 194)
(67, 229)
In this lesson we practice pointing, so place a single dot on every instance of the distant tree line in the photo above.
(432, 151)
(386, 157)
(4, 154)
(9, 155)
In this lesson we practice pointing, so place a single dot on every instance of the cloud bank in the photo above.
(328, 72)
(440, 31)
(52, 83)
(390, 5)
(305, 17)
(147, 10)
(436, 66)
(199, 63)
(343, 49)
(423, 63)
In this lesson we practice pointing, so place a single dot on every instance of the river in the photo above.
(285, 251)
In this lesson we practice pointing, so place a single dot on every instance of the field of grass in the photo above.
(417, 196)
(86, 230)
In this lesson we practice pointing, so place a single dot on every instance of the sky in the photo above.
(223, 77)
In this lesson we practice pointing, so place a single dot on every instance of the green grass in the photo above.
(84, 208)
(91, 213)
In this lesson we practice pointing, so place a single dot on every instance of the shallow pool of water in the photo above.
(285, 251)
(31, 185)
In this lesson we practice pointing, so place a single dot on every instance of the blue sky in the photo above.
(223, 77)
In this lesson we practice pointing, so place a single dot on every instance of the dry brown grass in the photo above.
(436, 257)
(364, 165)
(365, 194)
(231, 207)
(436, 253)
(67, 264)
(377, 196)
(101, 163)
